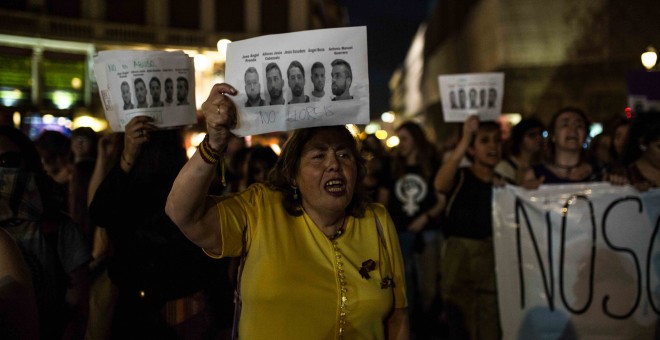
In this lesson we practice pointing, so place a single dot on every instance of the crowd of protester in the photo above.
(100, 259)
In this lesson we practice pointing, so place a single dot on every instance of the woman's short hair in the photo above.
(282, 177)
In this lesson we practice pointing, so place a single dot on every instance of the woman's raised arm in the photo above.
(188, 204)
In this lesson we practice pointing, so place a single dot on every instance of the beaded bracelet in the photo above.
(211, 156)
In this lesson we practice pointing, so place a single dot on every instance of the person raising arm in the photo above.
(188, 205)
(320, 260)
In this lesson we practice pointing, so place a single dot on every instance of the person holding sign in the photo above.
(467, 266)
(296, 76)
(569, 128)
(320, 261)
(342, 77)
(253, 88)
(274, 83)
(318, 79)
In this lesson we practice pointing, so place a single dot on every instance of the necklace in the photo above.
(567, 168)
(339, 231)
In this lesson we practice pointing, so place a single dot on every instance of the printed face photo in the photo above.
(318, 78)
(492, 96)
(126, 93)
(252, 85)
(169, 90)
(473, 98)
(182, 90)
(452, 99)
(296, 81)
(274, 83)
(461, 98)
(154, 88)
(340, 80)
(140, 93)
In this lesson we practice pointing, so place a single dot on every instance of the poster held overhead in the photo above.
(146, 83)
(301, 79)
(463, 95)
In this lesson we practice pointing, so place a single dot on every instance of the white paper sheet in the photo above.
(468, 94)
(155, 83)
(577, 261)
(345, 97)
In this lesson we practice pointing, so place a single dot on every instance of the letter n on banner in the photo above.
(577, 261)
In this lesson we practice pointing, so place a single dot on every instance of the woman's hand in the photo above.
(136, 133)
(616, 179)
(220, 115)
(470, 128)
(109, 146)
(418, 223)
(530, 182)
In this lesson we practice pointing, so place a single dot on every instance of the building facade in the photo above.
(47, 46)
(553, 54)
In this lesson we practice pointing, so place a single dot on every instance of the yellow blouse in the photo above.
(297, 283)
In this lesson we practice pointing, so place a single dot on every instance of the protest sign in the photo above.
(579, 261)
(146, 83)
(479, 94)
(643, 91)
(301, 79)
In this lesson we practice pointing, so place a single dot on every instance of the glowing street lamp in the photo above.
(222, 47)
(649, 58)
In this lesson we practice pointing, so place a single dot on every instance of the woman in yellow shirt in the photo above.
(321, 262)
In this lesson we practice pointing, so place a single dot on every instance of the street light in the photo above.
(649, 58)
(222, 47)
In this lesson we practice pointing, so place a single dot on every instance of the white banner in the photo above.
(468, 94)
(301, 79)
(158, 84)
(577, 261)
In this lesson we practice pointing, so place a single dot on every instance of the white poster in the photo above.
(301, 79)
(577, 261)
(146, 83)
(468, 94)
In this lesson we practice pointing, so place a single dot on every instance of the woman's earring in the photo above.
(295, 193)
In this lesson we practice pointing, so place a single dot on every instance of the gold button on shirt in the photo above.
(297, 283)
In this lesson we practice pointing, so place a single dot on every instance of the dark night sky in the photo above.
(391, 25)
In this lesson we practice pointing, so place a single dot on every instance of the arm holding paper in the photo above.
(314, 196)
(444, 179)
(188, 204)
